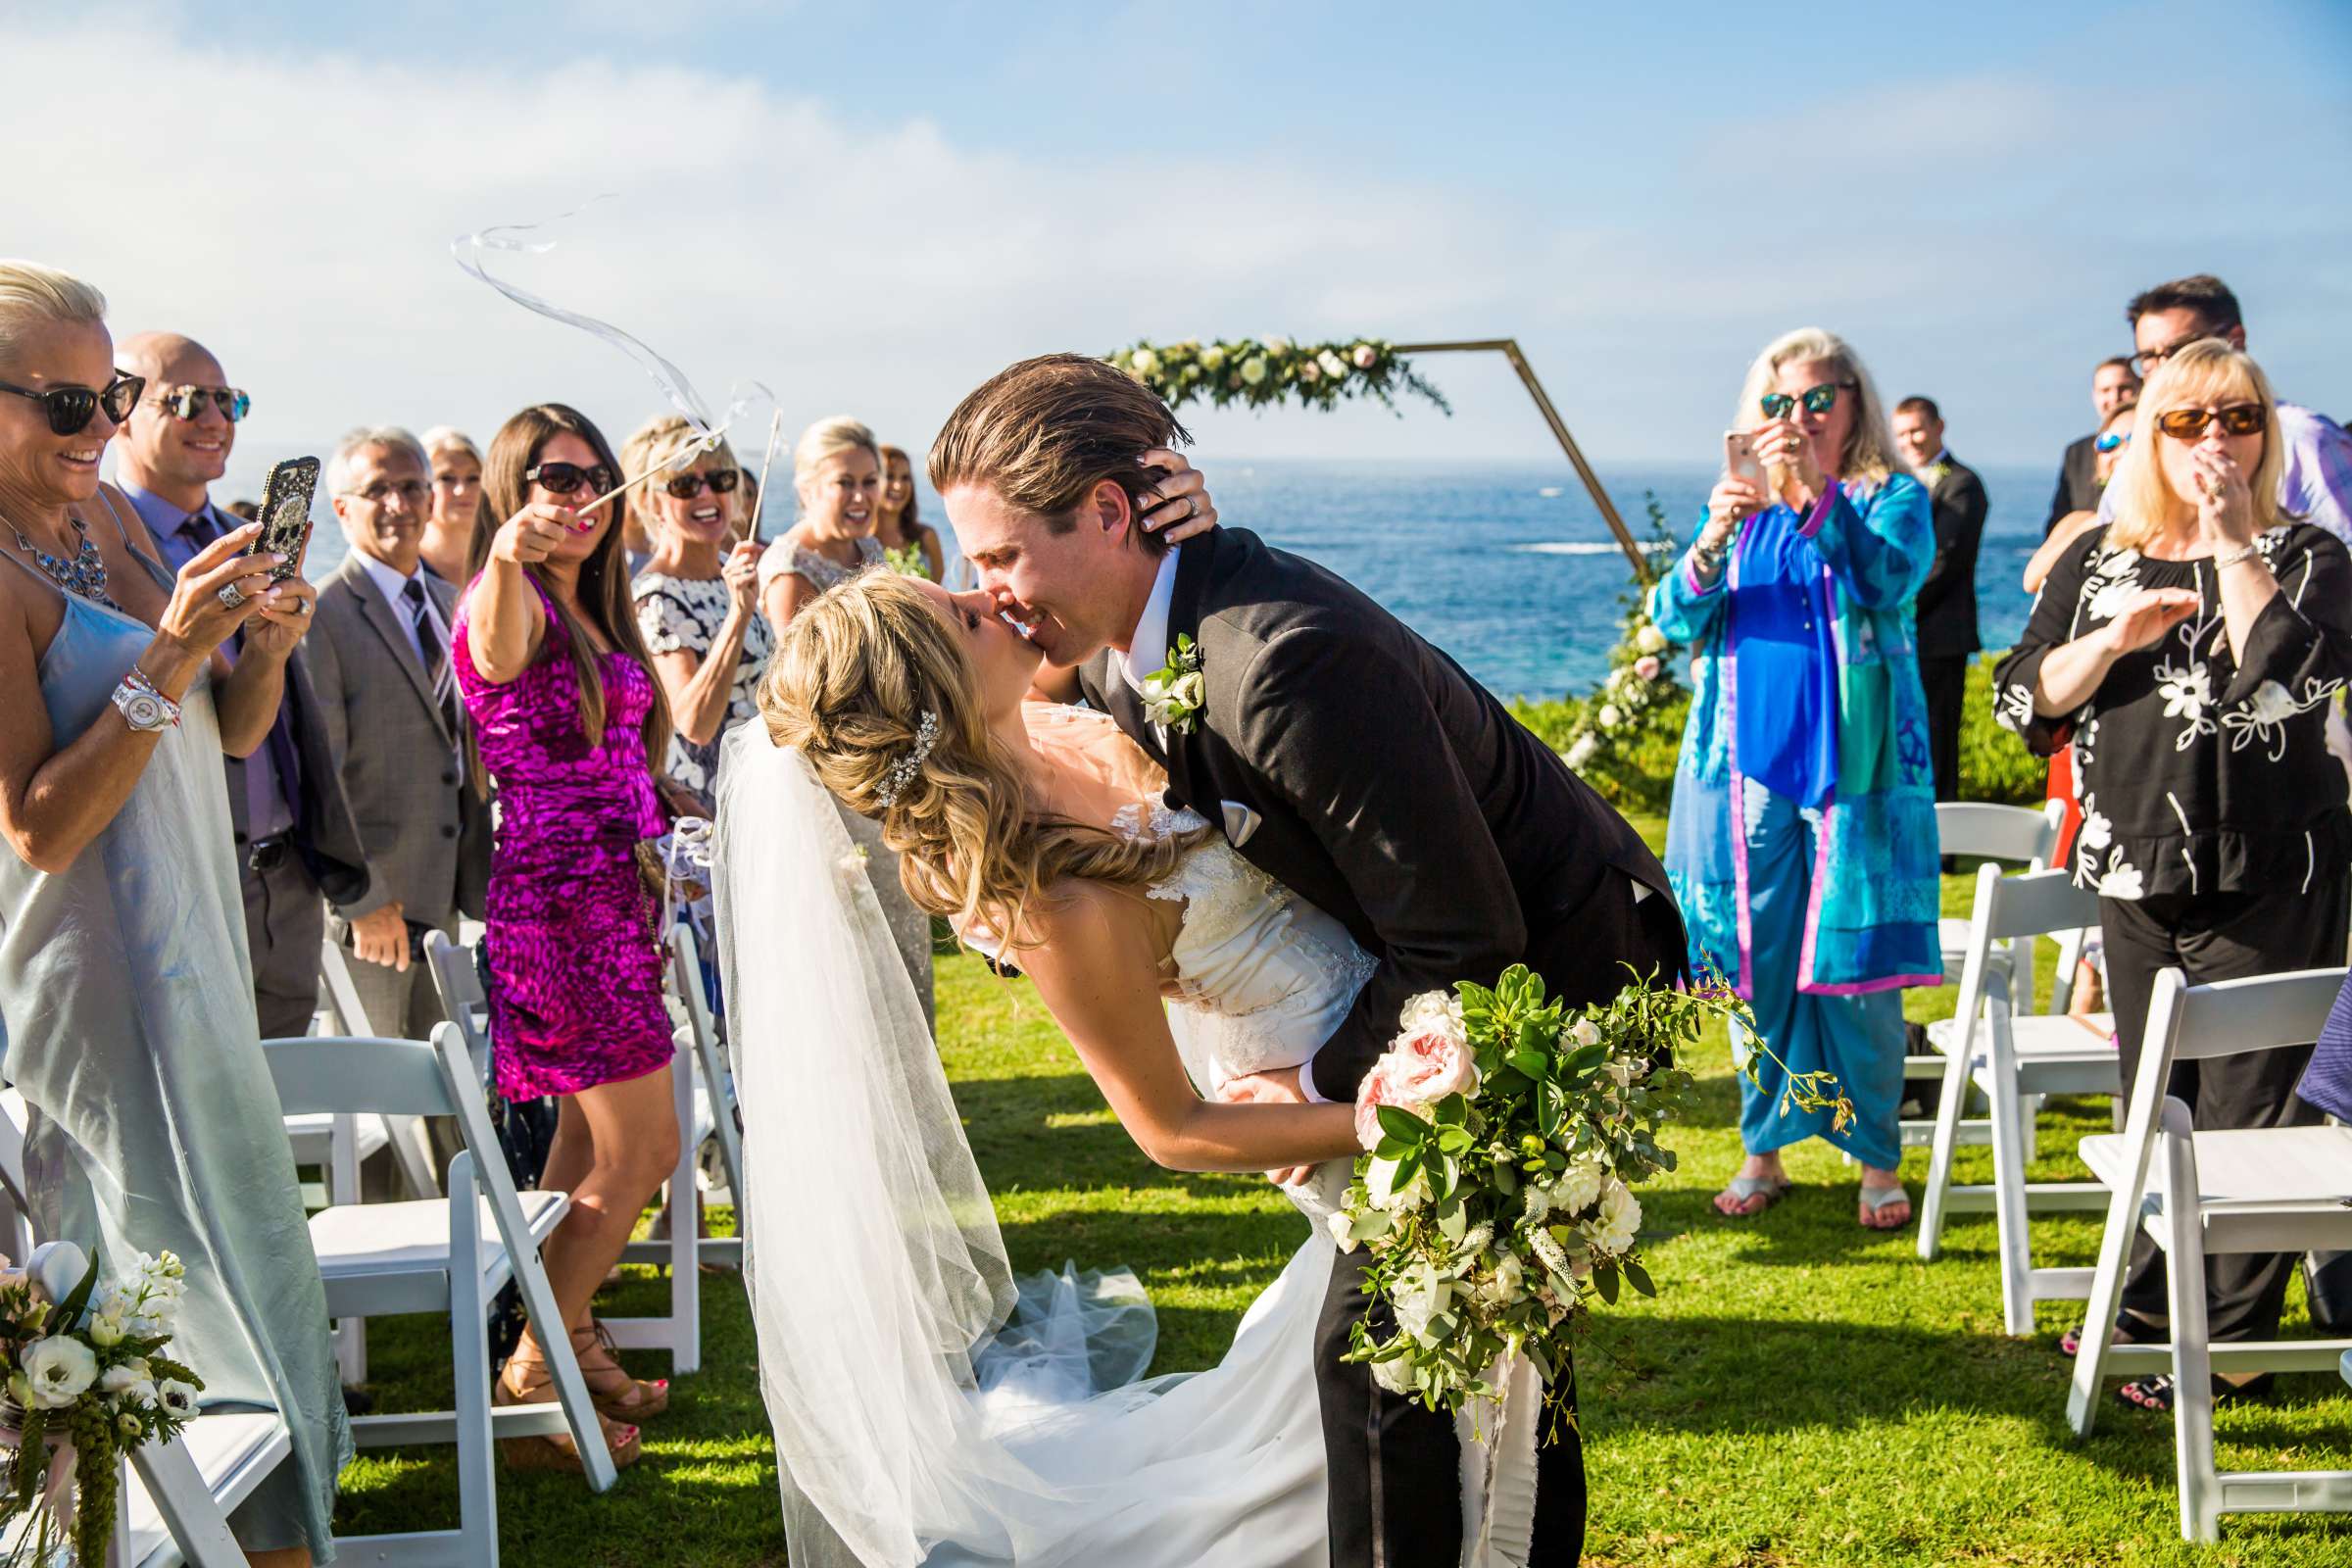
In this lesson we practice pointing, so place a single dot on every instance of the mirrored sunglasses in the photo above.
(1815, 399)
(187, 402)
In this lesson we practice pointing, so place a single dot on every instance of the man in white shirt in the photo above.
(382, 669)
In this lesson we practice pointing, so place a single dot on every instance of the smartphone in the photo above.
(1741, 462)
(285, 514)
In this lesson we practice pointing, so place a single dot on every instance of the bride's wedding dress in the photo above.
(929, 1409)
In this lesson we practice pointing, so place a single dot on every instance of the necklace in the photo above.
(84, 575)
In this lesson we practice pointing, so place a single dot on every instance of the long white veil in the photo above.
(897, 1357)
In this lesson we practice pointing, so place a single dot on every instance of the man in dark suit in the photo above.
(2113, 385)
(294, 832)
(1352, 762)
(380, 660)
(1946, 607)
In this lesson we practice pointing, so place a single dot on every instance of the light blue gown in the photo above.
(127, 997)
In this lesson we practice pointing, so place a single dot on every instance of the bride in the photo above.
(928, 1407)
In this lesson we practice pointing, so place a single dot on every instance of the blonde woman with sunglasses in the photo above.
(697, 599)
(2190, 653)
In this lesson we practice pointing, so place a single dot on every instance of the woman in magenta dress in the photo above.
(565, 714)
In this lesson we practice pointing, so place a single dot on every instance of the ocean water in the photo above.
(1511, 570)
(1508, 568)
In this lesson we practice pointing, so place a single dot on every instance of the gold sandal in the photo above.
(536, 1385)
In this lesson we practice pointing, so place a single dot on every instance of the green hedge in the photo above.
(1639, 774)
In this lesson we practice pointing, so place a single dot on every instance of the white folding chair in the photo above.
(410, 1148)
(2016, 836)
(2201, 1194)
(438, 1255)
(2016, 1059)
(704, 1091)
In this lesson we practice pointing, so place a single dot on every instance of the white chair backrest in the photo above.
(2020, 835)
(686, 976)
(2032, 904)
(325, 1074)
(460, 984)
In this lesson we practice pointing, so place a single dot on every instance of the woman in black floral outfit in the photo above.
(2214, 821)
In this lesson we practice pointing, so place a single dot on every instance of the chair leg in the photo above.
(2192, 1361)
(685, 1245)
(2098, 1314)
(477, 1480)
(2009, 1184)
(1935, 1196)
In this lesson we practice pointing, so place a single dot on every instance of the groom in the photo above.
(1353, 762)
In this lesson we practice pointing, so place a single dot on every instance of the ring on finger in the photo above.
(230, 594)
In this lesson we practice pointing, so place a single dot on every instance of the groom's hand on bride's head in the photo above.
(1178, 503)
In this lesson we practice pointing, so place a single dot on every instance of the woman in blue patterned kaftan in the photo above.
(1803, 839)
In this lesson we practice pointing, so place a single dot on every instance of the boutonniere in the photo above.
(1936, 472)
(1174, 693)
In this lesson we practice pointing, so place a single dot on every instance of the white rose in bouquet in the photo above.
(1381, 1188)
(1508, 1286)
(1586, 1032)
(1278, 345)
(61, 1370)
(1650, 640)
(1394, 1375)
(1333, 366)
(1253, 370)
(1146, 364)
(1585, 747)
(1420, 1295)
(1609, 717)
(1212, 358)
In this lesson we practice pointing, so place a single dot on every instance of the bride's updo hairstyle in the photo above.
(852, 676)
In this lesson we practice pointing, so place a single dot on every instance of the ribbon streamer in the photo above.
(469, 250)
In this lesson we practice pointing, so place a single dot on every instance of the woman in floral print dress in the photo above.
(2189, 652)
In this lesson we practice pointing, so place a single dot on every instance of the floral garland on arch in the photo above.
(1258, 371)
(1625, 737)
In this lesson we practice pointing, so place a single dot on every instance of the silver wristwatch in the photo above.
(144, 708)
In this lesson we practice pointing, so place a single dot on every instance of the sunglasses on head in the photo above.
(71, 409)
(1815, 399)
(2189, 425)
(2111, 440)
(187, 402)
(565, 478)
(686, 486)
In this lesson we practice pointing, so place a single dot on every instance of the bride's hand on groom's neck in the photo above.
(1177, 504)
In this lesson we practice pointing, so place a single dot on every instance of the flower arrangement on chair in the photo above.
(87, 1383)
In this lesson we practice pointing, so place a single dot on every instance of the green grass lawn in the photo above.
(1801, 1391)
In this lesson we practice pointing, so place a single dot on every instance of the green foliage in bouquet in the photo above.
(1495, 1209)
(907, 560)
(1258, 371)
(91, 1373)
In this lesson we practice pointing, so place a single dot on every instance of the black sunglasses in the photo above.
(71, 409)
(1815, 399)
(187, 402)
(565, 478)
(686, 486)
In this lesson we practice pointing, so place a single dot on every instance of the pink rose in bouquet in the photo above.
(1373, 1092)
(1647, 666)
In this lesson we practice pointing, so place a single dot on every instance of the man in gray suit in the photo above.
(381, 662)
(295, 839)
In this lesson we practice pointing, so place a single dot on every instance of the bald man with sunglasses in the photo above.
(297, 844)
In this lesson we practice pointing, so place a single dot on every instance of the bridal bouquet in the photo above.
(1503, 1136)
(88, 1382)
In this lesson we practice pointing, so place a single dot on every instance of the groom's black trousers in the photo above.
(1396, 1468)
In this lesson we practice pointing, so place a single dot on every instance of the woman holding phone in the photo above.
(568, 719)
(153, 1122)
(1802, 842)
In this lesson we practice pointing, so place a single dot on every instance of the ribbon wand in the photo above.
(775, 429)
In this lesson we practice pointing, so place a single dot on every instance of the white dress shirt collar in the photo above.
(1148, 651)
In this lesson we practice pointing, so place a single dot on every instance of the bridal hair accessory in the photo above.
(901, 773)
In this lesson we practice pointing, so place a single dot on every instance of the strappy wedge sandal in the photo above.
(530, 1381)
(619, 1397)
(1746, 1189)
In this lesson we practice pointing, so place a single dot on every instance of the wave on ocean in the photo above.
(1583, 547)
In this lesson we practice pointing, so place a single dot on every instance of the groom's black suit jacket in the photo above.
(1391, 790)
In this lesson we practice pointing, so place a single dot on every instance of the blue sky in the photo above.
(873, 207)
